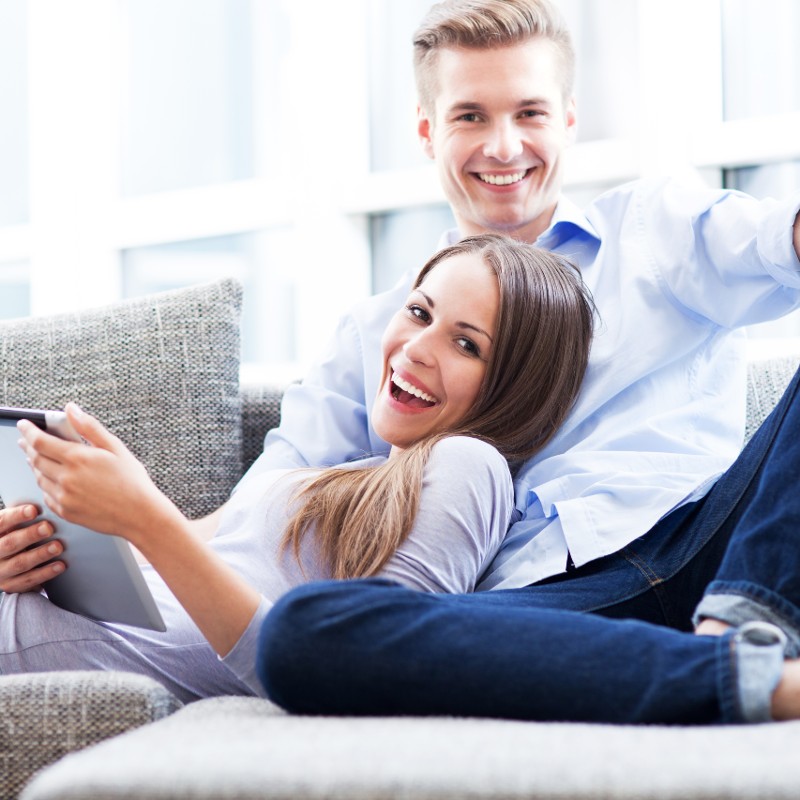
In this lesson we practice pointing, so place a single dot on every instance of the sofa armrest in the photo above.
(44, 716)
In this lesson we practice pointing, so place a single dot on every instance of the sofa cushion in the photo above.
(244, 749)
(161, 372)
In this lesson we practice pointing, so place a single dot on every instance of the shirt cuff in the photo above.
(776, 242)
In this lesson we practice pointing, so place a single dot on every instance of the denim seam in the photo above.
(654, 580)
(730, 707)
(776, 603)
(779, 611)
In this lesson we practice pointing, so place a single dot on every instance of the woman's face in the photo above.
(435, 351)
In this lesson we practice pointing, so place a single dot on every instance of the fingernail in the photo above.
(29, 512)
(59, 567)
(53, 549)
(43, 530)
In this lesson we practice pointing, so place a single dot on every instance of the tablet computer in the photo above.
(102, 579)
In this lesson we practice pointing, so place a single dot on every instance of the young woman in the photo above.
(480, 368)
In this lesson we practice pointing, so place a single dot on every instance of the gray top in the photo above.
(465, 508)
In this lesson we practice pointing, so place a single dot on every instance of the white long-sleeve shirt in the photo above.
(675, 272)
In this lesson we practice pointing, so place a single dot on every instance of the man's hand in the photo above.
(23, 569)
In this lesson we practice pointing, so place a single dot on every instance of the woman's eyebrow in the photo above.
(465, 325)
(470, 326)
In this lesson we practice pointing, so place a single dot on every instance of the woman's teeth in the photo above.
(411, 389)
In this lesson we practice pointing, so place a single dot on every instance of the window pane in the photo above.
(14, 105)
(268, 313)
(770, 180)
(392, 94)
(404, 240)
(605, 36)
(760, 39)
(187, 97)
(15, 291)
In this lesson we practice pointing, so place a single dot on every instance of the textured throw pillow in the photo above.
(161, 372)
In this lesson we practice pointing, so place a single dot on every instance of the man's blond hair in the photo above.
(485, 24)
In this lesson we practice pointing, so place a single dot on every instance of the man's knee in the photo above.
(310, 638)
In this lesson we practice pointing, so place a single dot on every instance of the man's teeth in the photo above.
(411, 389)
(502, 180)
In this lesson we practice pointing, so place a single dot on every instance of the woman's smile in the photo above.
(407, 393)
(436, 350)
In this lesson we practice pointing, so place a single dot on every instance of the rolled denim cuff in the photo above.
(760, 652)
(737, 610)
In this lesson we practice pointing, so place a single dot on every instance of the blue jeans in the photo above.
(371, 647)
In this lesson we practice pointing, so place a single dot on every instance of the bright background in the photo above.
(150, 144)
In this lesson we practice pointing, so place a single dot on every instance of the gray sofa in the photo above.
(163, 372)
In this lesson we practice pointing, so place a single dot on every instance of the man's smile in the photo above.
(504, 179)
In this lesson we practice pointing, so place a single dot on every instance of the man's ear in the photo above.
(425, 131)
(571, 120)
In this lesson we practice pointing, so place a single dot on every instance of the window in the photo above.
(148, 145)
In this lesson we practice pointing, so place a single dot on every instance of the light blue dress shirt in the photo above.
(674, 271)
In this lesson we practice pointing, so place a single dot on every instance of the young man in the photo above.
(617, 515)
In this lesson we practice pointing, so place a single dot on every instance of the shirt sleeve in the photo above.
(241, 660)
(464, 512)
(723, 254)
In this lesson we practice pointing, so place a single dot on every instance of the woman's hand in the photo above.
(23, 556)
(106, 489)
(103, 487)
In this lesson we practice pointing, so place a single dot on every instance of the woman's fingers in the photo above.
(91, 429)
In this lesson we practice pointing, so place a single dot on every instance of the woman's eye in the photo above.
(419, 313)
(468, 346)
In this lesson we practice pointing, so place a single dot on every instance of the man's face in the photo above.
(498, 132)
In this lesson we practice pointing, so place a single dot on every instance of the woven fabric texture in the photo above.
(261, 411)
(161, 372)
(45, 716)
(766, 381)
(242, 749)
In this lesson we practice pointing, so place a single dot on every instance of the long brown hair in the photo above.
(539, 357)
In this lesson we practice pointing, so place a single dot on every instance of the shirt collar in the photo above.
(567, 220)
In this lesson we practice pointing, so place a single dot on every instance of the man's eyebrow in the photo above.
(464, 325)
(466, 105)
(470, 105)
